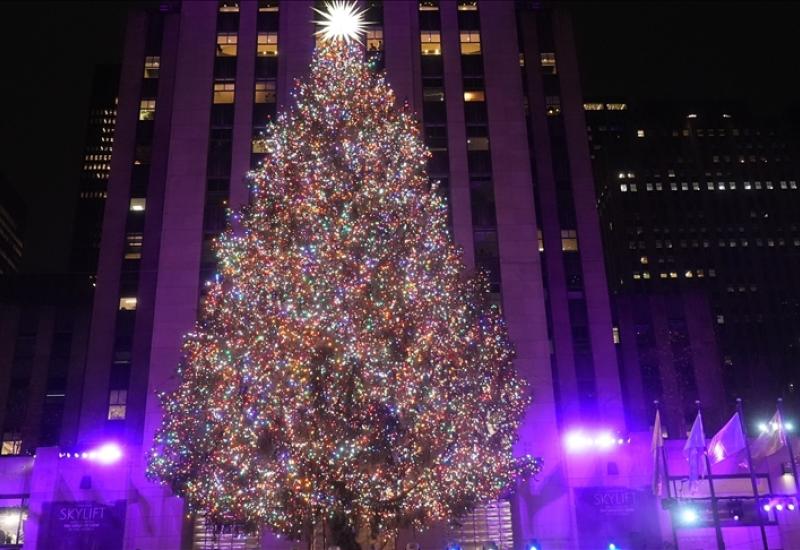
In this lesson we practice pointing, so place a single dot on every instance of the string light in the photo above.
(342, 364)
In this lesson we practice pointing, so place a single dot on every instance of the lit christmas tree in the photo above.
(343, 367)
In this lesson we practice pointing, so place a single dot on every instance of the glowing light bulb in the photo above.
(689, 516)
(341, 21)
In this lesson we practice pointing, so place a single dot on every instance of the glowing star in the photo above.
(341, 21)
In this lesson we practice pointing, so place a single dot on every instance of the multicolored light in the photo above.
(343, 365)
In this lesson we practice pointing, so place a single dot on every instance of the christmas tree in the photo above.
(343, 366)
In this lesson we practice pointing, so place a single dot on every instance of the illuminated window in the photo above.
(226, 44)
(478, 144)
(521, 59)
(553, 105)
(267, 5)
(265, 91)
(720, 319)
(13, 514)
(569, 240)
(117, 404)
(432, 93)
(475, 95)
(152, 63)
(229, 6)
(616, 106)
(133, 246)
(470, 43)
(430, 42)
(548, 60)
(593, 106)
(127, 303)
(643, 260)
(261, 145)
(540, 239)
(375, 40)
(224, 92)
(147, 109)
(12, 443)
(640, 133)
(623, 187)
(267, 44)
(615, 334)
(137, 205)
(429, 5)
(468, 5)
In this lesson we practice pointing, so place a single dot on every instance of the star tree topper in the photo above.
(341, 20)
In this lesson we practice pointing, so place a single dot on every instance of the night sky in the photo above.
(630, 50)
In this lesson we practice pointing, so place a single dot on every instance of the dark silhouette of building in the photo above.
(12, 227)
(704, 197)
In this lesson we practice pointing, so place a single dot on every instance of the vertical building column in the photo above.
(151, 246)
(155, 518)
(182, 231)
(639, 411)
(296, 36)
(9, 322)
(401, 42)
(568, 400)
(705, 356)
(38, 380)
(460, 203)
(548, 519)
(106, 298)
(241, 147)
(670, 388)
(75, 377)
(598, 308)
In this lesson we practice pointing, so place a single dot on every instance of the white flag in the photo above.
(771, 440)
(658, 463)
(695, 449)
(728, 441)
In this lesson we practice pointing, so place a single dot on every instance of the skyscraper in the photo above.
(703, 198)
(94, 174)
(496, 87)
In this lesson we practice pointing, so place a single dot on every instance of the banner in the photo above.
(84, 525)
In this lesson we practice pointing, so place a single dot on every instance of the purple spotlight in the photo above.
(577, 441)
(604, 441)
(779, 507)
(107, 453)
(767, 507)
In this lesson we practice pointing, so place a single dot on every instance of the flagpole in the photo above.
(753, 483)
(666, 477)
(787, 437)
(714, 507)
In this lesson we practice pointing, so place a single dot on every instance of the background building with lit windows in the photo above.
(94, 173)
(702, 199)
(496, 87)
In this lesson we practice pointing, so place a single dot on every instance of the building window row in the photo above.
(710, 186)
(688, 274)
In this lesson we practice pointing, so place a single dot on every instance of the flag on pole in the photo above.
(695, 449)
(658, 463)
(728, 441)
(772, 438)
